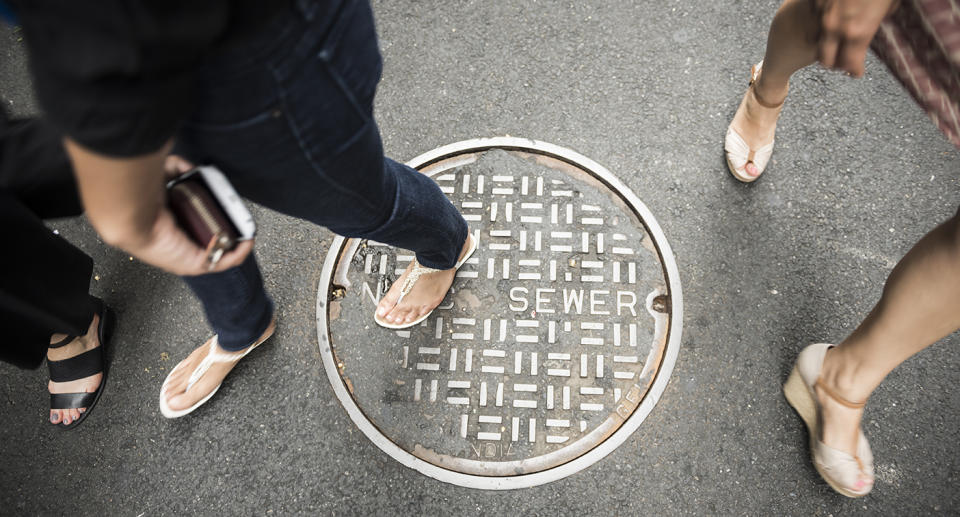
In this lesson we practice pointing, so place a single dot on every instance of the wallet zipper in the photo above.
(204, 212)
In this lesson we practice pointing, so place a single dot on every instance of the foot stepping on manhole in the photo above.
(555, 342)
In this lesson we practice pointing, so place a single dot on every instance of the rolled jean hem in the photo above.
(235, 302)
(244, 341)
(461, 238)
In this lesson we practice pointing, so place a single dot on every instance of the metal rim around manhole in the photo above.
(571, 383)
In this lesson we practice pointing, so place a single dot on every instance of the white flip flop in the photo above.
(412, 278)
(212, 357)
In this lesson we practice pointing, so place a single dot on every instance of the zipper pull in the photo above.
(215, 257)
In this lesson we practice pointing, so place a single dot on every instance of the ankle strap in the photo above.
(761, 101)
(832, 394)
(62, 342)
(754, 77)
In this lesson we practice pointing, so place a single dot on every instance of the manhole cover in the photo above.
(555, 342)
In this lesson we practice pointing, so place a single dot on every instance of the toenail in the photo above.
(53, 418)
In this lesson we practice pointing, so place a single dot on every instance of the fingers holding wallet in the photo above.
(209, 211)
(127, 200)
(171, 249)
(176, 165)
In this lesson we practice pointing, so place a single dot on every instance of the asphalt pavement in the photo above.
(647, 90)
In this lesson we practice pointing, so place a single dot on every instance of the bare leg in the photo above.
(791, 45)
(919, 306)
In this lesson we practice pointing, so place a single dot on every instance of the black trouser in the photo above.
(44, 280)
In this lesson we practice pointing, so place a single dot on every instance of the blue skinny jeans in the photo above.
(288, 116)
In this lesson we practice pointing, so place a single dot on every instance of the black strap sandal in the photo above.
(86, 364)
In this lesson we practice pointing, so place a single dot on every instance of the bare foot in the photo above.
(85, 385)
(427, 293)
(175, 388)
(756, 123)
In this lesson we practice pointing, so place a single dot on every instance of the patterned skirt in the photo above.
(920, 44)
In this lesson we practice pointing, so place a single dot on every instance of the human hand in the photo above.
(846, 29)
(170, 248)
(175, 165)
(125, 200)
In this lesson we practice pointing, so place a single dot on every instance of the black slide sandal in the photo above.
(83, 365)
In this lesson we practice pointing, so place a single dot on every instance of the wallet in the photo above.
(201, 216)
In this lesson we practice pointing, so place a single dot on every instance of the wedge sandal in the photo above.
(736, 150)
(849, 475)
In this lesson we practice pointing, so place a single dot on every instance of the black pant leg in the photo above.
(44, 280)
(35, 168)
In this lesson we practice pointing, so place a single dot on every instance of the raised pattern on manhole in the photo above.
(555, 341)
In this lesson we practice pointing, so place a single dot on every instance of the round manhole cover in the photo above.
(554, 343)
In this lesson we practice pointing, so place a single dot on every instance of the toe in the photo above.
(862, 485)
(392, 316)
(752, 169)
(397, 315)
(386, 303)
(172, 386)
(178, 402)
(55, 416)
(418, 312)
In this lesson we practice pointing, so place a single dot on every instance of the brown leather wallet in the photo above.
(200, 215)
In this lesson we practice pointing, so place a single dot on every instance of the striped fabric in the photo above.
(920, 43)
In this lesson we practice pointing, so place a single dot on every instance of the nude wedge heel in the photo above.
(836, 467)
(799, 397)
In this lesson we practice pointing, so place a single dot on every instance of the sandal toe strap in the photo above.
(215, 357)
(842, 467)
(71, 400)
(77, 367)
(412, 278)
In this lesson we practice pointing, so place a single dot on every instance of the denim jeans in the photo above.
(288, 116)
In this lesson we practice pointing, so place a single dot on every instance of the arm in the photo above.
(125, 201)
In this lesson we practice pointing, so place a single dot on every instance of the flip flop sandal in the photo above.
(411, 280)
(83, 365)
(212, 357)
